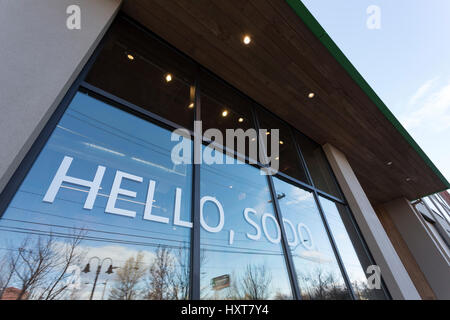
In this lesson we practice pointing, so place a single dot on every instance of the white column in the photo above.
(40, 58)
(393, 272)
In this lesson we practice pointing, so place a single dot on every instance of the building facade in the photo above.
(139, 147)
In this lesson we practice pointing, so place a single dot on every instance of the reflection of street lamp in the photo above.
(104, 288)
(87, 269)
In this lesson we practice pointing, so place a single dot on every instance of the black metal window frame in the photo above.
(80, 85)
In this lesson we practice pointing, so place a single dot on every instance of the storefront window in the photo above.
(318, 166)
(288, 159)
(140, 69)
(241, 254)
(318, 272)
(351, 249)
(225, 111)
(102, 213)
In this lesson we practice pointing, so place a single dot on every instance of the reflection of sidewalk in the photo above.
(12, 293)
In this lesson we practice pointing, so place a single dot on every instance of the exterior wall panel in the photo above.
(40, 59)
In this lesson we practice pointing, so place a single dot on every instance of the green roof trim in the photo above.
(311, 22)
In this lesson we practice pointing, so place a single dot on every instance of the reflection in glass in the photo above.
(241, 254)
(318, 273)
(351, 250)
(289, 161)
(148, 80)
(53, 238)
(318, 166)
(222, 109)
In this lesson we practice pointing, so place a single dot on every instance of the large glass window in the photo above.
(140, 69)
(287, 158)
(318, 166)
(352, 251)
(318, 272)
(222, 110)
(101, 214)
(241, 253)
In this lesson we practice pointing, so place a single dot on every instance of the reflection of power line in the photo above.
(145, 244)
(147, 144)
(106, 224)
(90, 222)
(93, 230)
(120, 227)
(124, 234)
(165, 152)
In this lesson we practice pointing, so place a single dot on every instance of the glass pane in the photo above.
(223, 108)
(99, 200)
(318, 272)
(351, 250)
(289, 162)
(138, 68)
(241, 253)
(318, 166)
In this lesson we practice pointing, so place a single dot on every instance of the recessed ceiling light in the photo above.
(408, 179)
(191, 105)
(247, 39)
(281, 142)
(130, 57)
(277, 158)
(311, 95)
(267, 133)
(224, 113)
(389, 163)
(241, 119)
(168, 77)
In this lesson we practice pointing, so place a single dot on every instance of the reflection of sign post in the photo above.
(220, 282)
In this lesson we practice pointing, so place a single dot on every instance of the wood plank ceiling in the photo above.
(283, 63)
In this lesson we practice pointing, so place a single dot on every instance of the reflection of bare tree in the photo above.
(161, 275)
(363, 292)
(320, 285)
(181, 276)
(282, 296)
(128, 279)
(256, 282)
(37, 269)
(7, 265)
(169, 275)
(68, 255)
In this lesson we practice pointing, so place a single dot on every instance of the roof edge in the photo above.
(320, 33)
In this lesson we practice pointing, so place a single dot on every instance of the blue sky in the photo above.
(406, 62)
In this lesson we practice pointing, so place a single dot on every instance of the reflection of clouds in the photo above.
(314, 256)
(297, 196)
(242, 196)
(118, 254)
(261, 207)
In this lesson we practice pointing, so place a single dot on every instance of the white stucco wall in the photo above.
(39, 60)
